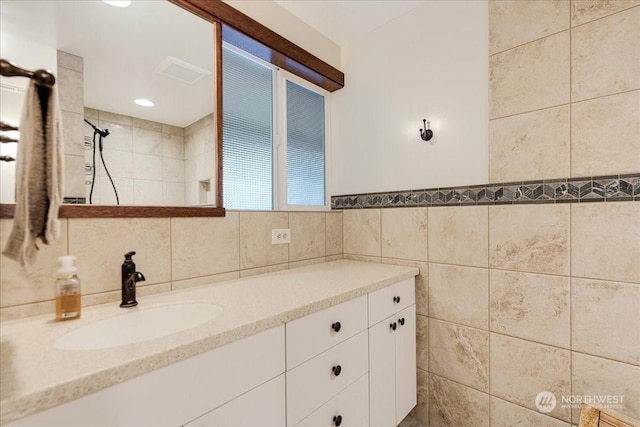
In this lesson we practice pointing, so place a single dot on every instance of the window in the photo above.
(274, 137)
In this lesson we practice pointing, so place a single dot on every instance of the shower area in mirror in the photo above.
(160, 156)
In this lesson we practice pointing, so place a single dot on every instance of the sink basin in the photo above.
(138, 325)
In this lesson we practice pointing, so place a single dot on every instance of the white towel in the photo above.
(39, 177)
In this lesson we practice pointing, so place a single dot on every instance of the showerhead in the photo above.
(102, 132)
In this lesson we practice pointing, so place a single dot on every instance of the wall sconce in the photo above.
(426, 134)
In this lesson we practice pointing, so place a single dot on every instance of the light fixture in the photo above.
(118, 3)
(144, 102)
(426, 134)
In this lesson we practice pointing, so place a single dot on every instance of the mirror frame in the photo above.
(246, 30)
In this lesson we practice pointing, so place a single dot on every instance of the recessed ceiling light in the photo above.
(144, 102)
(118, 3)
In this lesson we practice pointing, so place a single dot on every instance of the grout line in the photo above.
(529, 111)
(605, 16)
(606, 96)
(529, 42)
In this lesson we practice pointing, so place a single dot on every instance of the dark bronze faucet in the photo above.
(129, 279)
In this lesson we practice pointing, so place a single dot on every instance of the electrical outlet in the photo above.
(280, 236)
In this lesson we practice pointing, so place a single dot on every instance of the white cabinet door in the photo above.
(406, 393)
(382, 387)
(261, 407)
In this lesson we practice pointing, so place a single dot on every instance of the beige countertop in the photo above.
(35, 376)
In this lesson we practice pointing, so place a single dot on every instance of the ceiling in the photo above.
(343, 21)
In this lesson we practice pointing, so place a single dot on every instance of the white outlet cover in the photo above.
(280, 236)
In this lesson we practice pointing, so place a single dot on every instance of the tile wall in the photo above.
(145, 160)
(173, 253)
(200, 162)
(521, 294)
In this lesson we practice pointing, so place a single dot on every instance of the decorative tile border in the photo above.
(607, 188)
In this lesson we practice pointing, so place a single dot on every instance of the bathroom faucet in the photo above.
(129, 279)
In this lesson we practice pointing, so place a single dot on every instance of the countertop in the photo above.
(35, 376)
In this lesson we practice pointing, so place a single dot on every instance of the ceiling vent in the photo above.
(181, 70)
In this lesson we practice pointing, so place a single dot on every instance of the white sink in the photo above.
(138, 324)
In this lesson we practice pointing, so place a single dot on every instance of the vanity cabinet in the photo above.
(327, 352)
(392, 354)
(181, 392)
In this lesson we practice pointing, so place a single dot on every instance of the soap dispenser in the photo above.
(68, 299)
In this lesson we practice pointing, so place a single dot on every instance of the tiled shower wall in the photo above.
(172, 253)
(145, 160)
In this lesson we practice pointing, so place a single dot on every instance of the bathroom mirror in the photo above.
(105, 57)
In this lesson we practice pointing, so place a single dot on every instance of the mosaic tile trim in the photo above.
(609, 188)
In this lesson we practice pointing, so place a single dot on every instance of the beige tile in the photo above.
(421, 411)
(422, 342)
(70, 87)
(520, 370)
(587, 10)
(263, 270)
(531, 306)
(404, 233)
(362, 232)
(606, 135)
(100, 245)
(173, 130)
(512, 23)
(459, 353)
(308, 234)
(116, 118)
(146, 124)
(74, 185)
(204, 280)
(529, 146)
(68, 60)
(422, 282)
(505, 414)
(530, 77)
(256, 249)
(331, 258)
(600, 378)
(605, 319)
(204, 246)
(605, 56)
(15, 312)
(304, 263)
(115, 297)
(458, 235)
(452, 404)
(334, 233)
(605, 240)
(73, 135)
(16, 287)
(533, 238)
(91, 113)
(362, 258)
(459, 294)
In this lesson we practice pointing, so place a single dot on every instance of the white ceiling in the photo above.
(343, 21)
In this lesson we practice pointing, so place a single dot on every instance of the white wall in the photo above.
(283, 22)
(430, 63)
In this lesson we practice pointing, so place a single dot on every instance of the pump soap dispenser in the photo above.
(68, 304)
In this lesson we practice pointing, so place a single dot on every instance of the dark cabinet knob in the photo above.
(393, 326)
(401, 321)
(336, 370)
(336, 326)
(396, 299)
(337, 420)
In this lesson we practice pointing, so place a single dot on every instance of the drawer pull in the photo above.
(337, 420)
(401, 321)
(393, 326)
(336, 370)
(336, 326)
(396, 299)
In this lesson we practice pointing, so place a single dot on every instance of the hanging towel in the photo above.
(39, 176)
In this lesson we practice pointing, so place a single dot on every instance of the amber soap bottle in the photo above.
(68, 304)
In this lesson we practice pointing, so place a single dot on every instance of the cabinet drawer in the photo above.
(387, 301)
(317, 332)
(314, 382)
(263, 406)
(351, 405)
